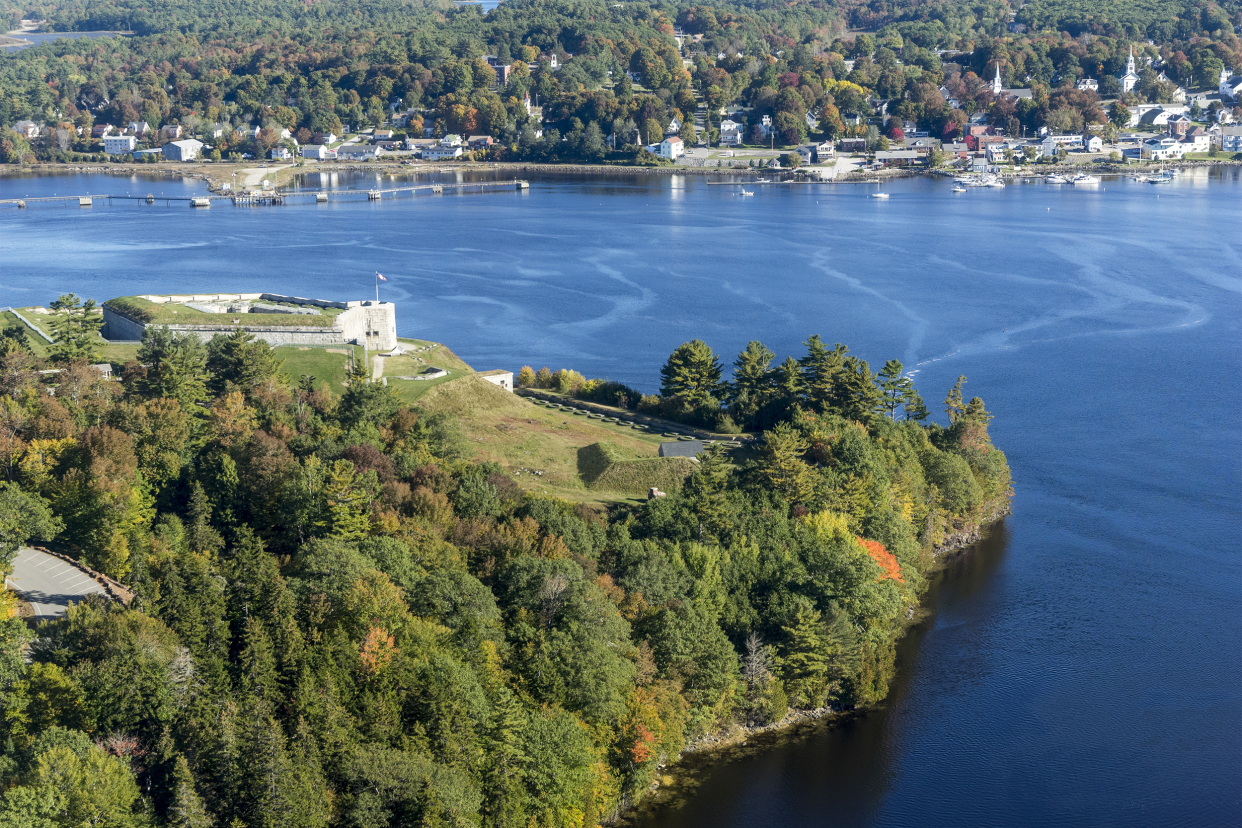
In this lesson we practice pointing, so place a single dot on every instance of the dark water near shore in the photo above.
(1081, 666)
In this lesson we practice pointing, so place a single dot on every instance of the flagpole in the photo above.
(377, 287)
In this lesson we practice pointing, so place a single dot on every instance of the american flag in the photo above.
(380, 276)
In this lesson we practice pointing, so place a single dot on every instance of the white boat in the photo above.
(1082, 180)
(1055, 179)
(879, 195)
(965, 179)
(995, 182)
(1163, 178)
(747, 192)
(959, 189)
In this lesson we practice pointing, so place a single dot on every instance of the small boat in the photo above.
(1082, 180)
(879, 195)
(1163, 178)
(1055, 179)
(747, 192)
(995, 182)
(959, 189)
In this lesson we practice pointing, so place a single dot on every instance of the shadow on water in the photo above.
(828, 774)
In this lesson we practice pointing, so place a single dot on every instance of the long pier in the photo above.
(272, 197)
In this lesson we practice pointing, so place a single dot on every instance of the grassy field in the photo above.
(118, 355)
(427, 355)
(537, 445)
(604, 467)
(37, 343)
(328, 365)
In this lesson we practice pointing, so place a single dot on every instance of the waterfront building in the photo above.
(672, 148)
(1231, 138)
(117, 144)
(730, 133)
(1230, 85)
(318, 151)
(186, 150)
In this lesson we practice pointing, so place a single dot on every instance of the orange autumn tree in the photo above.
(884, 558)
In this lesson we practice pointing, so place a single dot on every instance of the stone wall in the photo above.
(363, 322)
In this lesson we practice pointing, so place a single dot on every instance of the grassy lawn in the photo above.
(328, 365)
(526, 438)
(118, 355)
(426, 355)
(39, 320)
(37, 343)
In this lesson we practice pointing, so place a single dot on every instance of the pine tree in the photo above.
(75, 326)
(752, 385)
(804, 666)
(782, 465)
(914, 406)
(692, 374)
(895, 387)
(953, 403)
(821, 369)
(704, 491)
(187, 809)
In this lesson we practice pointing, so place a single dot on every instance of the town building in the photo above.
(852, 145)
(117, 144)
(1162, 148)
(897, 158)
(318, 152)
(730, 133)
(1087, 85)
(186, 150)
(440, 152)
(1230, 87)
(1230, 138)
(480, 142)
(1130, 78)
(369, 323)
(280, 154)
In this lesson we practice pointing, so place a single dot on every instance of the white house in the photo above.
(730, 133)
(26, 129)
(1094, 144)
(440, 153)
(318, 152)
(674, 127)
(281, 154)
(118, 144)
(1088, 85)
(672, 148)
(450, 140)
(1162, 148)
(1230, 85)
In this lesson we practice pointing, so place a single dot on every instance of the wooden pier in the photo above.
(273, 198)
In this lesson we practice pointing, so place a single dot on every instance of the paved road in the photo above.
(49, 584)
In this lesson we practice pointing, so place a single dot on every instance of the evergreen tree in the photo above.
(176, 366)
(241, 360)
(692, 374)
(953, 402)
(75, 328)
(752, 385)
(804, 665)
(895, 388)
(781, 463)
(854, 394)
(821, 369)
(704, 491)
(187, 809)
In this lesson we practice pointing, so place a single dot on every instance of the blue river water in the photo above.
(1082, 666)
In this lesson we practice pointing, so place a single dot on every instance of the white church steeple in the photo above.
(997, 84)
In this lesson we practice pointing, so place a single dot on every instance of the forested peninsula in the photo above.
(340, 617)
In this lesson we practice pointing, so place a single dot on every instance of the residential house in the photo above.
(1197, 139)
(171, 132)
(356, 152)
(186, 150)
(97, 131)
(480, 142)
(807, 153)
(672, 148)
(730, 133)
(923, 146)
(324, 138)
(215, 131)
(382, 135)
(977, 143)
(812, 123)
(29, 129)
(319, 152)
(1088, 85)
(897, 158)
(281, 154)
(451, 140)
(139, 128)
(955, 150)
(1230, 87)
(419, 143)
(1162, 148)
(118, 144)
(852, 145)
(674, 127)
(440, 152)
(824, 151)
(1094, 144)
(1231, 138)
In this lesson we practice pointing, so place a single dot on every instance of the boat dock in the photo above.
(274, 198)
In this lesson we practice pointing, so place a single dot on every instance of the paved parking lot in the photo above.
(49, 584)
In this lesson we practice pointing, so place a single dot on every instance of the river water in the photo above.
(1082, 666)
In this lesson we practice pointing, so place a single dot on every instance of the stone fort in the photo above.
(366, 322)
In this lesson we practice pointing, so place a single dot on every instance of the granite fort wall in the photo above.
(361, 322)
